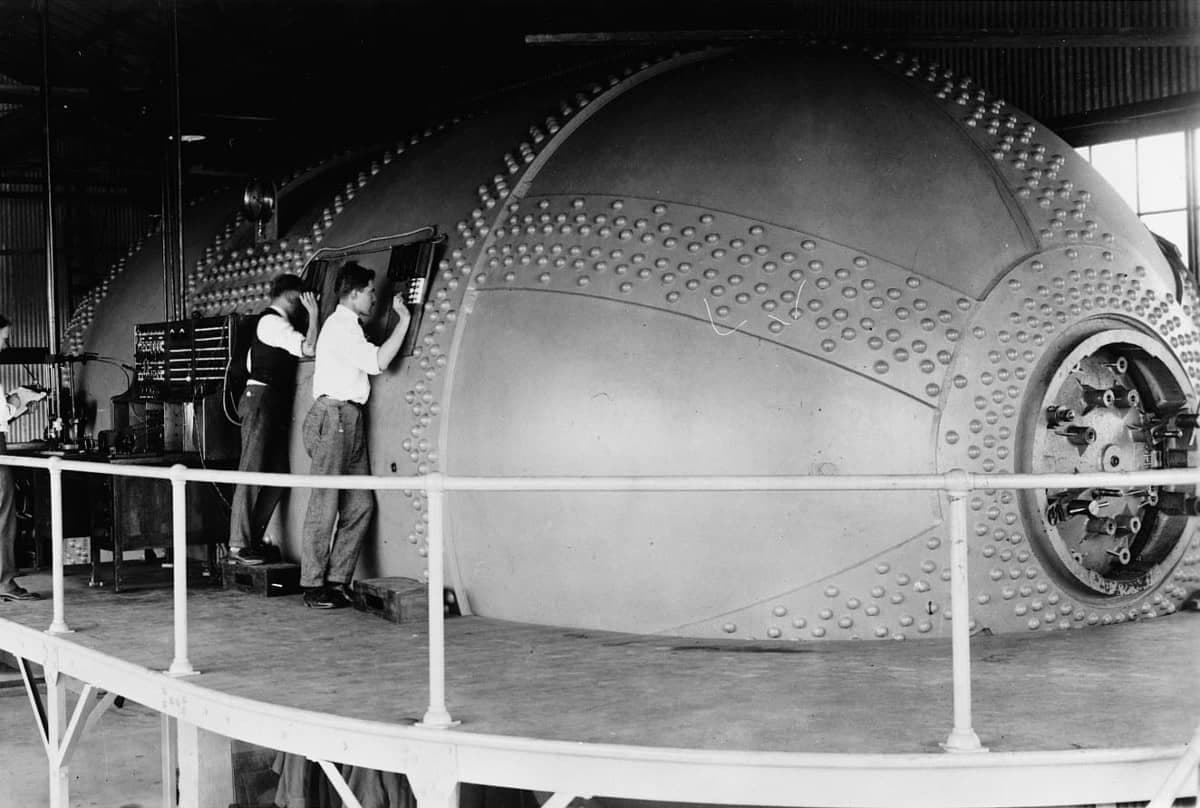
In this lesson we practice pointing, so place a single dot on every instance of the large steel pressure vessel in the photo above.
(802, 261)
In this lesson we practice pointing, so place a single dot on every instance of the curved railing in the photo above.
(957, 484)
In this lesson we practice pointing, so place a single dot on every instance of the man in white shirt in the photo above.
(265, 411)
(335, 436)
(12, 405)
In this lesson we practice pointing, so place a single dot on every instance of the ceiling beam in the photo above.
(1129, 120)
(29, 93)
(982, 38)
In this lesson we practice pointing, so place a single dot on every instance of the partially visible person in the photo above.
(265, 410)
(12, 406)
(335, 436)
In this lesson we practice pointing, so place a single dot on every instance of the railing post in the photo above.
(962, 738)
(180, 666)
(56, 725)
(436, 716)
(58, 624)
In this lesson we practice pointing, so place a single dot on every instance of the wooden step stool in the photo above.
(269, 580)
(400, 600)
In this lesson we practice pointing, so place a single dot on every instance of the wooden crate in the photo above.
(269, 580)
(400, 600)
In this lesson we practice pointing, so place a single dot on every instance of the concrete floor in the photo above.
(1118, 686)
(116, 767)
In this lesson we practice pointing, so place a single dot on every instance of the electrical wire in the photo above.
(225, 377)
(429, 228)
(198, 439)
(124, 368)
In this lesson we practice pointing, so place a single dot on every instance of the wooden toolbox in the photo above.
(401, 600)
(269, 580)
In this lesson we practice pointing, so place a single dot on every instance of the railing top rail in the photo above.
(955, 480)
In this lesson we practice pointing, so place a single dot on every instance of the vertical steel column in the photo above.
(51, 274)
(962, 737)
(173, 272)
(58, 625)
(1192, 197)
(180, 666)
(436, 715)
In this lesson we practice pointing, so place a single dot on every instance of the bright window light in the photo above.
(1161, 173)
(1171, 226)
(1117, 163)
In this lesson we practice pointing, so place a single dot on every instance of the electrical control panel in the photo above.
(181, 360)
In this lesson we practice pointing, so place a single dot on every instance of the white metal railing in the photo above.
(956, 483)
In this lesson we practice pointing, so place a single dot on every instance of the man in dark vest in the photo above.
(265, 410)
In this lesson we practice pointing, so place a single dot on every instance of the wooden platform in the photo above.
(1118, 686)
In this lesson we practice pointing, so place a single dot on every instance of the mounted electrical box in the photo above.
(181, 360)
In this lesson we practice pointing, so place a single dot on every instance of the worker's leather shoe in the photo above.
(250, 556)
(18, 593)
(341, 593)
(321, 598)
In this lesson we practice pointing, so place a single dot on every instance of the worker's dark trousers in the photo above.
(335, 437)
(8, 523)
(265, 421)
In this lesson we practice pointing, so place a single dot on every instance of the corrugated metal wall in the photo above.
(1051, 83)
(93, 226)
(23, 293)
(1026, 16)
(1053, 59)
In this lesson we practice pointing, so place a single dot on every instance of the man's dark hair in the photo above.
(286, 282)
(351, 277)
(4, 321)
